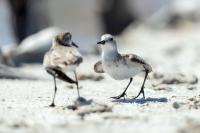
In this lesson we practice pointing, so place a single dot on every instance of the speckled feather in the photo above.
(62, 58)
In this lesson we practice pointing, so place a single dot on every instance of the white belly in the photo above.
(69, 68)
(122, 71)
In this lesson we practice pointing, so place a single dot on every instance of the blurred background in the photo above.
(166, 33)
(27, 26)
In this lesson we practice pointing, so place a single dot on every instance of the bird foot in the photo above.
(141, 92)
(119, 96)
(52, 105)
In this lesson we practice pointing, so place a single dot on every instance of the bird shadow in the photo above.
(142, 100)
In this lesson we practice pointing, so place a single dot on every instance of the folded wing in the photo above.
(98, 68)
(63, 58)
(139, 60)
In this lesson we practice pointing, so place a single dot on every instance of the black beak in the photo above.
(101, 42)
(74, 44)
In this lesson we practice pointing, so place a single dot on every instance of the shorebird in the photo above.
(62, 57)
(120, 66)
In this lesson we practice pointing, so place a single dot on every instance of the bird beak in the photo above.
(101, 42)
(74, 44)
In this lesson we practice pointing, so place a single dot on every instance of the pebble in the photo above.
(176, 105)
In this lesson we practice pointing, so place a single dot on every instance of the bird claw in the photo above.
(52, 105)
(141, 92)
(119, 96)
(135, 97)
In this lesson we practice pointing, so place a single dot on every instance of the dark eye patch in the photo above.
(103, 42)
(61, 42)
(111, 39)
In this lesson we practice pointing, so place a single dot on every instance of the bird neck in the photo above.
(110, 55)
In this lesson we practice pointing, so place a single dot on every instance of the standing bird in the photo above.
(120, 66)
(62, 57)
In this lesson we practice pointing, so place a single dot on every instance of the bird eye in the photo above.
(111, 39)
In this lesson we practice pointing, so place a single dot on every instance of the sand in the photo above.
(172, 92)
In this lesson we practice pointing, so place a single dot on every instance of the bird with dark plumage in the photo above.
(62, 57)
(120, 66)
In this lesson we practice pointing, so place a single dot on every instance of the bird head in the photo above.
(108, 43)
(65, 39)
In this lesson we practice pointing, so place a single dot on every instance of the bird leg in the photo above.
(123, 94)
(77, 85)
(50, 71)
(60, 75)
(142, 88)
(53, 104)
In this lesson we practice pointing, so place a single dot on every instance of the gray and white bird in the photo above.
(120, 66)
(62, 57)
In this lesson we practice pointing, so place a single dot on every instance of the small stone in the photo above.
(90, 77)
(192, 88)
(3, 100)
(158, 75)
(174, 96)
(196, 102)
(191, 99)
(176, 105)
(9, 107)
(82, 101)
(72, 107)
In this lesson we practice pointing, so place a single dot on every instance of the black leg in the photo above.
(77, 83)
(53, 73)
(142, 88)
(60, 75)
(53, 104)
(124, 92)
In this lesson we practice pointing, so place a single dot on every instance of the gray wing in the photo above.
(98, 68)
(139, 60)
(62, 58)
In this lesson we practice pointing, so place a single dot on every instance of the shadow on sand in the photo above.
(142, 100)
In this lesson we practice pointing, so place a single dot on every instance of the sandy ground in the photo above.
(172, 92)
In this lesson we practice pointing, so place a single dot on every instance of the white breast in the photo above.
(121, 70)
(69, 68)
